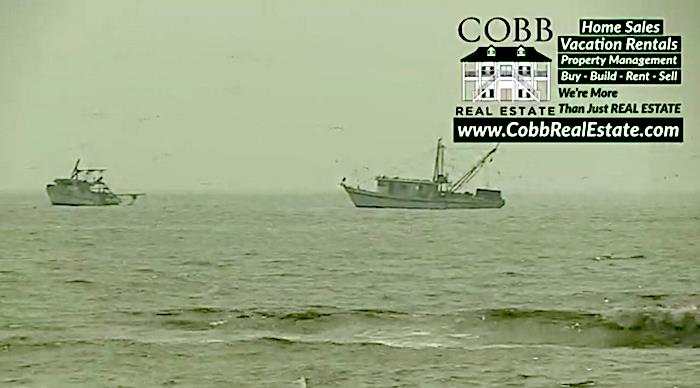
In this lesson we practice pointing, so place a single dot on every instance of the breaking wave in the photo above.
(474, 329)
(661, 327)
(641, 328)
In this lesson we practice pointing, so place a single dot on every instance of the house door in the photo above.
(506, 94)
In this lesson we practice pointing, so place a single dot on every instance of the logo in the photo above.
(521, 26)
(506, 73)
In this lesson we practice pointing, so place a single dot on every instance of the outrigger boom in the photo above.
(133, 196)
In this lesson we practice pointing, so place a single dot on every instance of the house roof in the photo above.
(506, 54)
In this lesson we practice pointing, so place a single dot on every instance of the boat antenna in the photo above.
(74, 173)
(474, 170)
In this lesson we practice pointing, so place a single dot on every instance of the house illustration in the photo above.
(506, 74)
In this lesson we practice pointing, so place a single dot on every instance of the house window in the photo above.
(487, 71)
(490, 93)
(521, 51)
(525, 93)
(524, 70)
(506, 70)
(491, 52)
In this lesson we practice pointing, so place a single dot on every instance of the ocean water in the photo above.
(260, 291)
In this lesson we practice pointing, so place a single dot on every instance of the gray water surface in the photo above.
(243, 290)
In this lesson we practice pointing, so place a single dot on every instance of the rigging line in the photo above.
(404, 163)
(474, 170)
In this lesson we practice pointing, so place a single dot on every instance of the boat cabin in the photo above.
(494, 195)
(406, 187)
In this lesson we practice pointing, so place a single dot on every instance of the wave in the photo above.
(637, 328)
(662, 327)
(315, 312)
(624, 257)
(551, 315)
(256, 339)
(79, 281)
(641, 331)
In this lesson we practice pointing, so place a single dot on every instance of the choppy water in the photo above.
(221, 291)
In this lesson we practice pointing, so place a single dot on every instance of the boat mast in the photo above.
(438, 170)
(473, 171)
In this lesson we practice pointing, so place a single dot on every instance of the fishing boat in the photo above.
(85, 187)
(435, 193)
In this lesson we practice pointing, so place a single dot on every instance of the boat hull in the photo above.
(79, 195)
(372, 199)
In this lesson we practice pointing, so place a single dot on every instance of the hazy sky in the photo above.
(249, 95)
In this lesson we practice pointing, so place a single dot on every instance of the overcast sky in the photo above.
(281, 96)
